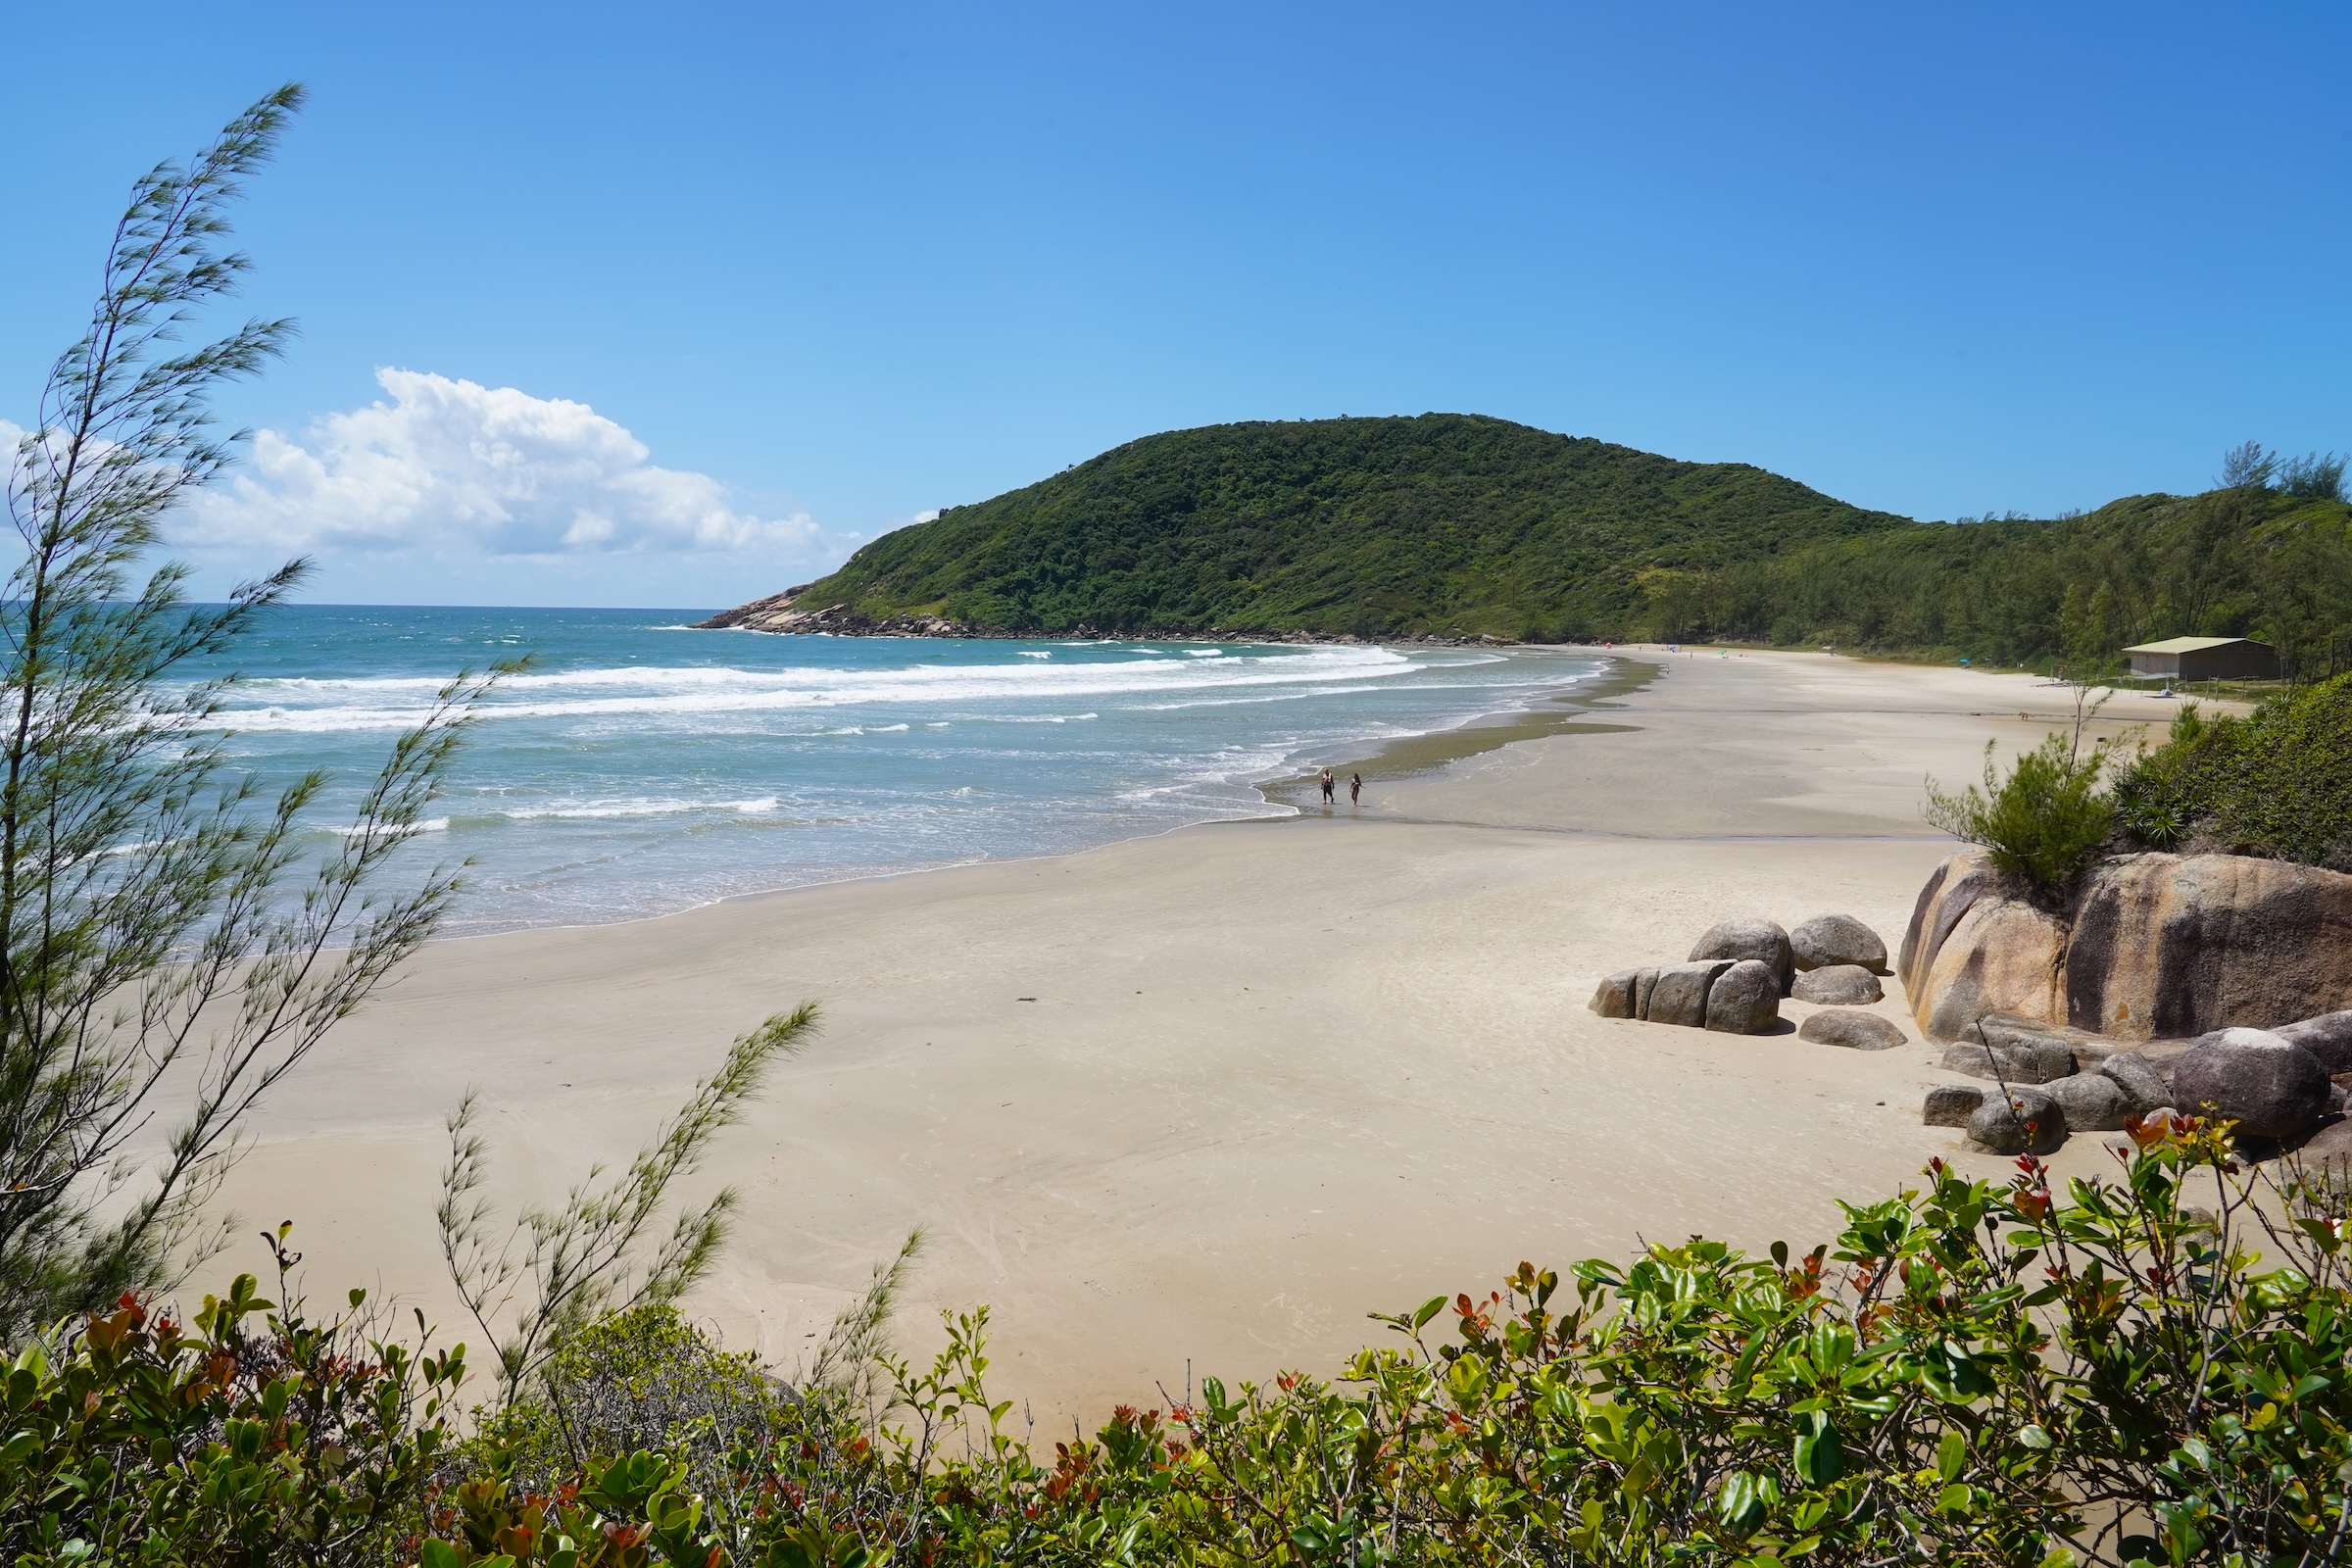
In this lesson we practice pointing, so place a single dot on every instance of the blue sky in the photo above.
(817, 271)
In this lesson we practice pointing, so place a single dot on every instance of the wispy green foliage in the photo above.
(1442, 524)
(2047, 819)
(541, 1282)
(163, 942)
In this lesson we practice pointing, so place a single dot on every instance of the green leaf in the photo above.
(1741, 1506)
(1820, 1455)
(1951, 1454)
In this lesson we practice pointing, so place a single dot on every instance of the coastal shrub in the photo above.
(2277, 782)
(640, 1379)
(253, 1435)
(2147, 1368)
(2043, 824)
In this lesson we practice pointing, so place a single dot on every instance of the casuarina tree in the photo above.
(169, 947)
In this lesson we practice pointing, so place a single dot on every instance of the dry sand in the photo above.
(1206, 1100)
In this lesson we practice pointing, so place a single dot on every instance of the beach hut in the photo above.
(2205, 659)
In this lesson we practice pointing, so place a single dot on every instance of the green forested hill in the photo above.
(1455, 524)
(1376, 526)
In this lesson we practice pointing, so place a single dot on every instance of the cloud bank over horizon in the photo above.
(454, 466)
(416, 493)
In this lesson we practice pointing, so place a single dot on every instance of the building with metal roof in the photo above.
(2205, 659)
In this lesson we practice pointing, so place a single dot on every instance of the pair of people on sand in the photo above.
(1355, 788)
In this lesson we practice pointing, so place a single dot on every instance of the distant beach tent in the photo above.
(2206, 658)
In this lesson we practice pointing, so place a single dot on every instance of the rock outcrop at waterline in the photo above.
(782, 613)
(2154, 947)
(778, 613)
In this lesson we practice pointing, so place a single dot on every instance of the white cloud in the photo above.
(453, 467)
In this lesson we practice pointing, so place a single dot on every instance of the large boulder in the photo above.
(2093, 1102)
(1745, 999)
(2011, 1056)
(2143, 1084)
(1681, 992)
(2175, 946)
(2328, 1037)
(1851, 1028)
(2270, 1086)
(1834, 939)
(1951, 1105)
(2325, 1157)
(1972, 949)
(1838, 985)
(2154, 947)
(1646, 981)
(1760, 940)
(1614, 998)
(1625, 994)
(2024, 1121)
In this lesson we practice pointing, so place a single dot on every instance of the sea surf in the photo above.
(639, 767)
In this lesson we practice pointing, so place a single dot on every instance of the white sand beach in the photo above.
(1206, 1100)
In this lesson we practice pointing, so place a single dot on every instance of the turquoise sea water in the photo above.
(642, 767)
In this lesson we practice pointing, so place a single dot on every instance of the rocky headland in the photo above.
(783, 614)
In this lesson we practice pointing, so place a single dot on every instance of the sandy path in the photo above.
(1276, 1074)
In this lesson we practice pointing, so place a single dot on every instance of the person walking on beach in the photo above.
(1355, 789)
(1330, 788)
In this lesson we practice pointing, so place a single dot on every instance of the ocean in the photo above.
(641, 766)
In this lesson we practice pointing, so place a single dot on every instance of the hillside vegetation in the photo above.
(2251, 559)
(1442, 524)
(1457, 525)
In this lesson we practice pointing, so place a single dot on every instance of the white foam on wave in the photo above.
(632, 806)
(693, 691)
(430, 824)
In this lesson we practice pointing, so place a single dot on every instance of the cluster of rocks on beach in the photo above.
(1740, 970)
(2207, 986)
(2042, 1085)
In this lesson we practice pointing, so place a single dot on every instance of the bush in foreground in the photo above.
(2154, 1368)
(2277, 782)
(255, 1435)
(2043, 824)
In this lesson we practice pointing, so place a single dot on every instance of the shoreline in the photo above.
(1560, 712)
(1399, 755)
(1209, 1098)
